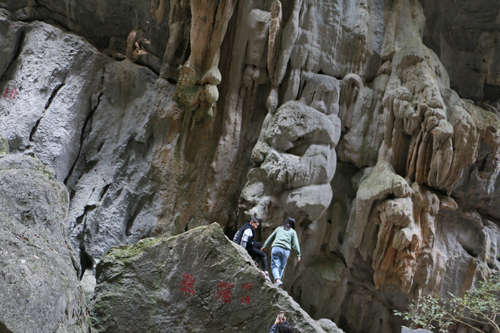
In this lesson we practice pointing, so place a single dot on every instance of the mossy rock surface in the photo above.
(177, 284)
(4, 146)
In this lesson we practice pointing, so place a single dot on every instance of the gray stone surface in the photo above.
(425, 163)
(465, 37)
(53, 75)
(362, 121)
(151, 281)
(94, 121)
(409, 330)
(313, 99)
(480, 188)
(319, 38)
(114, 197)
(10, 34)
(106, 23)
(39, 289)
(296, 159)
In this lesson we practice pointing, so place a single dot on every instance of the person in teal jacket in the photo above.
(285, 238)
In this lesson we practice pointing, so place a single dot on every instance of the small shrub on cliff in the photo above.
(477, 309)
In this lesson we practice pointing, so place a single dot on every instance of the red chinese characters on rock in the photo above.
(246, 299)
(10, 93)
(187, 286)
(225, 291)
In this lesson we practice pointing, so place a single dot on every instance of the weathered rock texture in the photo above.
(39, 288)
(407, 330)
(349, 115)
(428, 151)
(199, 76)
(466, 41)
(94, 121)
(198, 281)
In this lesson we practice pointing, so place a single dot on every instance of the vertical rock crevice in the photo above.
(95, 101)
(47, 105)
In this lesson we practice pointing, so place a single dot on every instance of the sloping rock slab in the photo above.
(39, 289)
(198, 281)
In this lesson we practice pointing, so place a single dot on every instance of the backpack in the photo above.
(239, 234)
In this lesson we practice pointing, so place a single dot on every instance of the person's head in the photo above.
(254, 222)
(285, 327)
(281, 317)
(290, 223)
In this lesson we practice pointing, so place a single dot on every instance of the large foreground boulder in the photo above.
(198, 281)
(39, 288)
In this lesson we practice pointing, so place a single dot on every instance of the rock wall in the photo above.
(39, 287)
(90, 118)
(466, 41)
(375, 123)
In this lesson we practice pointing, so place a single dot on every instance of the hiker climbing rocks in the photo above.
(281, 325)
(285, 238)
(245, 237)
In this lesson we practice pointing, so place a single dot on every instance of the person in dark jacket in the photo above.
(245, 237)
(281, 325)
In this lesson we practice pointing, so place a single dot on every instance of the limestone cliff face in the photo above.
(375, 123)
(39, 287)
